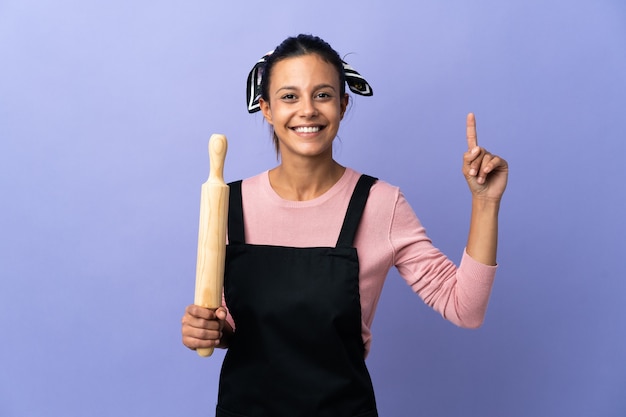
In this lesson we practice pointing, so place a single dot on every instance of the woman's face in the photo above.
(305, 106)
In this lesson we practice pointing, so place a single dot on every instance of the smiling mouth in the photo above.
(307, 129)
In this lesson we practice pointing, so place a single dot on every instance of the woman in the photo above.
(310, 244)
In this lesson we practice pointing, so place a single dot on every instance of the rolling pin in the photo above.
(212, 232)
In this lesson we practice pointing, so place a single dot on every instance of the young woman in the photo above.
(310, 245)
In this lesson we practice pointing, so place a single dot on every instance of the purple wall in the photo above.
(105, 114)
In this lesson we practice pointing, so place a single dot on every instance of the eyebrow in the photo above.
(317, 87)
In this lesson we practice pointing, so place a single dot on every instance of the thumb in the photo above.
(221, 313)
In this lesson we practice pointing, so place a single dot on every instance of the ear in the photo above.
(266, 110)
(344, 104)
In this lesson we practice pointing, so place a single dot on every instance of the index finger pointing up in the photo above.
(472, 140)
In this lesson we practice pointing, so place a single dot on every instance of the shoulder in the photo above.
(384, 198)
(380, 187)
(255, 186)
(383, 193)
(255, 180)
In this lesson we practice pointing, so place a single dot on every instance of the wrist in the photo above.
(486, 204)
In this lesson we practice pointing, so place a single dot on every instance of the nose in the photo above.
(308, 108)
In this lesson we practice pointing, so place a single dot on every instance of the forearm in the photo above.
(482, 240)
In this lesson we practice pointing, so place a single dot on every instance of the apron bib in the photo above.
(297, 350)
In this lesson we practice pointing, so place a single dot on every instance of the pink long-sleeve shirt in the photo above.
(390, 234)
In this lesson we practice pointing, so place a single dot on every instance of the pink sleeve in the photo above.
(459, 294)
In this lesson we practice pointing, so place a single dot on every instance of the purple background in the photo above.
(105, 113)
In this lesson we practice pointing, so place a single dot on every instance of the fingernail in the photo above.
(472, 172)
(475, 150)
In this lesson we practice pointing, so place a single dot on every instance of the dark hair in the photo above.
(299, 46)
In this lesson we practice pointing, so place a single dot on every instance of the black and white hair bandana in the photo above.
(356, 83)
(253, 88)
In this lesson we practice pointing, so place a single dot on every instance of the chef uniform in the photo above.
(297, 350)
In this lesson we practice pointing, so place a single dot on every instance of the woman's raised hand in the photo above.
(486, 174)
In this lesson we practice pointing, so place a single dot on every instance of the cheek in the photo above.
(280, 114)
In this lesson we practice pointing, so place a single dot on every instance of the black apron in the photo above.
(297, 350)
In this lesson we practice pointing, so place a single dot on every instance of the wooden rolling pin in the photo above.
(212, 232)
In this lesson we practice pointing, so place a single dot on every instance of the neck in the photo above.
(301, 182)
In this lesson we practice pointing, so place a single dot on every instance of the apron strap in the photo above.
(235, 214)
(355, 211)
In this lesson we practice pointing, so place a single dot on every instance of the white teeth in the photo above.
(307, 129)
